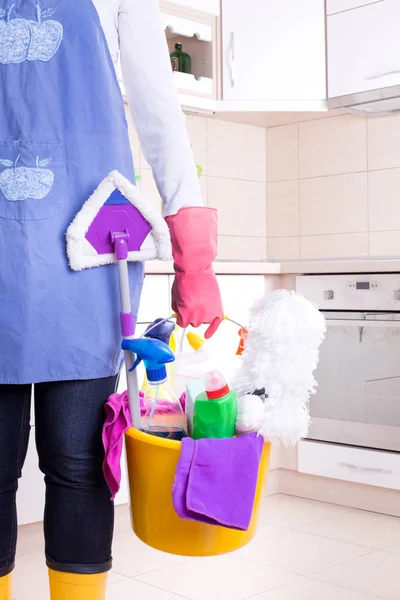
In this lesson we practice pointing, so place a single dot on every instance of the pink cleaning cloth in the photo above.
(216, 480)
(117, 423)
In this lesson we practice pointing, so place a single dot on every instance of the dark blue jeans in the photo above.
(79, 515)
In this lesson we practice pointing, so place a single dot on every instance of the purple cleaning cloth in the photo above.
(216, 480)
(118, 421)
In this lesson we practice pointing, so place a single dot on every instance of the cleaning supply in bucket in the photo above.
(215, 410)
(161, 329)
(194, 388)
(191, 365)
(170, 421)
(216, 480)
(164, 417)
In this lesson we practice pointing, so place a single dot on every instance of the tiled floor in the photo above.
(304, 550)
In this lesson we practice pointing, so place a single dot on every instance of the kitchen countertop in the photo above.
(367, 265)
(221, 268)
(370, 265)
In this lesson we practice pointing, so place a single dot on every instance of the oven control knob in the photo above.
(329, 294)
(397, 295)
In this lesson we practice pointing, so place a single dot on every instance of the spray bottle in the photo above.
(164, 416)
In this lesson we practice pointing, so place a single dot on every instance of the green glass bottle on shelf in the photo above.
(180, 60)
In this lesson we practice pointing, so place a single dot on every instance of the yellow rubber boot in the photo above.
(70, 586)
(5, 587)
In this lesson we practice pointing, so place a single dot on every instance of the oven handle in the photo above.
(362, 323)
(368, 469)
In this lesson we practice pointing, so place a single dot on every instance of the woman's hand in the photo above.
(196, 297)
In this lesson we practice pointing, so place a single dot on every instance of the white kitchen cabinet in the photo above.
(274, 51)
(364, 48)
(197, 31)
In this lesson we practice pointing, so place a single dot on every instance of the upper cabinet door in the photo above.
(274, 50)
(364, 48)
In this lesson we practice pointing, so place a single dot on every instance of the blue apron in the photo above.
(62, 130)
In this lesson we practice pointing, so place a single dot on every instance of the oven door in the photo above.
(358, 396)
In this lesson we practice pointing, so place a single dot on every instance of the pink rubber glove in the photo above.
(195, 294)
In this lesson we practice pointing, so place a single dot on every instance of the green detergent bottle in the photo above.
(215, 409)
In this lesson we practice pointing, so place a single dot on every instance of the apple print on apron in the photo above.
(33, 39)
(32, 179)
(21, 183)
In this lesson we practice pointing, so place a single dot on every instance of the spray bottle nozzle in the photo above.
(154, 353)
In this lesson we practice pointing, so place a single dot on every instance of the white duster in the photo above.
(281, 354)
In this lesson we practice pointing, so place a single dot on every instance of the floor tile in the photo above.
(134, 590)
(218, 578)
(288, 511)
(309, 589)
(115, 577)
(122, 519)
(30, 539)
(267, 529)
(394, 548)
(132, 557)
(299, 552)
(376, 574)
(30, 579)
(366, 529)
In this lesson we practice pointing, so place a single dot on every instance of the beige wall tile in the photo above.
(384, 243)
(383, 142)
(336, 204)
(346, 245)
(242, 206)
(283, 208)
(204, 188)
(242, 248)
(384, 200)
(284, 248)
(149, 189)
(332, 146)
(197, 129)
(236, 151)
(282, 153)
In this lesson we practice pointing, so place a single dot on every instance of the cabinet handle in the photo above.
(384, 74)
(369, 469)
(233, 60)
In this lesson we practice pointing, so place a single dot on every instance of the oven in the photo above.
(358, 397)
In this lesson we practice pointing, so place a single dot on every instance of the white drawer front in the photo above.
(370, 467)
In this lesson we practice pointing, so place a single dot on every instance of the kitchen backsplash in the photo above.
(233, 159)
(333, 188)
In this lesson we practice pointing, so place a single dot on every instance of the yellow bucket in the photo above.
(152, 463)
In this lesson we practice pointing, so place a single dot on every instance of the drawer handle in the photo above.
(368, 469)
(384, 74)
(233, 60)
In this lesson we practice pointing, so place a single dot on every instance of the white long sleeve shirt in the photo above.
(135, 34)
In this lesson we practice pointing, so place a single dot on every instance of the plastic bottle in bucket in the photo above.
(164, 415)
(215, 410)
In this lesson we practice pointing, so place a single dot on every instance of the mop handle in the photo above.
(120, 241)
